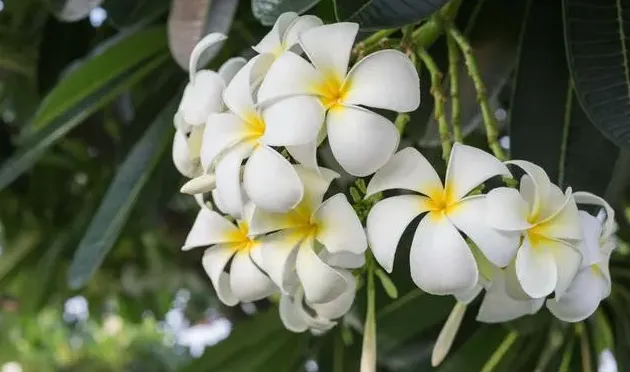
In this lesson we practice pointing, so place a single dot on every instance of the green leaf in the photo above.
(124, 13)
(20, 248)
(120, 198)
(117, 56)
(598, 53)
(602, 332)
(72, 10)
(189, 21)
(252, 334)
(37, 143)
(376, 14)
(567, 145)
(267, 11)
(477, 350)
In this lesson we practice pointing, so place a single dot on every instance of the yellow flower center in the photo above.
(239, 238)
(332, 90)
(440, 202)
(255, 125)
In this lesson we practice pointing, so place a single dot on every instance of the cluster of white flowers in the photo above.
(247, 137)
(519, 244)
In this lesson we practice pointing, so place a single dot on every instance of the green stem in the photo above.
(496, 357)
(368, 354)
(440, 98)
(489, 120)
(371, 43)
(338, 355)
(401, 122)
(585, 350)
(425, 35)
(453, 72)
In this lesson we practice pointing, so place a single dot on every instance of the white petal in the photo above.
(201, 97)
(345, 260)
(316, 323)
(568, 261)
(339, 228)
(272, 42)
(248, 283)
(565, 223)
(581, 299)
(469, 216)
(466, 297)
(271, 182)
(447, 334)
(340, 305)
(506, 210)
(409, 170)
(228, 175)
(297, 27)
(468, 167)
(221, 133)
(386, 223)
(262, 221)
(604, 270)
(182, 159)
(329, 47)
(316, 183)
(553, 203)
(229, 68)
(202, 45)
(498, 307)
(441, 261)
(582, 197)
(540, 182)
(513, 286)
(214, 261)
(290, 316)
(589, 245)
(199, 185)
(209, 228)
(238, 94)
(305, 154)
(216, 200)
(293, 121)
(386, 79)
(289, 75)
(321, 282)
(276, 251)
(536, 270)
(361, 141)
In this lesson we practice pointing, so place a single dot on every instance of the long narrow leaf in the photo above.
(120, 198)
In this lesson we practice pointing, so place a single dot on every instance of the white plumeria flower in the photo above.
(202, 96)
(361, 140)
(268, 178)
(497, 306)
(243, 281)
(592, 283)
(547, 258)
(298, 314)
(307, 235)
(284, 34)
(441, 261)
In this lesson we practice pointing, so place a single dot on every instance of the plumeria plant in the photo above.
(248, 137)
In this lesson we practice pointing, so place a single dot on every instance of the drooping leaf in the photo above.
(190, 20)
(548, 126)
(376, 14)
(598, 53)
(77, 97)
(120, 198)
(72, 10)
(267, 11)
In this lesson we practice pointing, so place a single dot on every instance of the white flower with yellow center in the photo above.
(285, 32)
(441, 261)
(592, 283)
(361, 140)
(268, 178)
(547, 221)
(202, 96)
(242, 281)
(298, 314)
(303, 240)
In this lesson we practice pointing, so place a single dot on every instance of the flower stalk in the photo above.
(453, 72)
(489, 120)
(440, 98)
(368, 354)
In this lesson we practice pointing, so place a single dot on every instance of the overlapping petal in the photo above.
(341, 305)
(272, 42)
(321, 282)
(289, 75)
(209, 228)
(201, 97)
(361, 141)
(536, 269)
(568, 260)
(247, 282)
(228, 178)
(182, 158)
(228, 70)
(277, 250)
(222, 132)
(581, 299)
(293, 121)
(328, 47)
(214, 261)
(506, 210)
(339, 228)
(238, 95)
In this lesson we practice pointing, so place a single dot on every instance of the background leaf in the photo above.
(598, 55)
(73, 10)
(120, 198)
(267, 11)
(375, 14)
